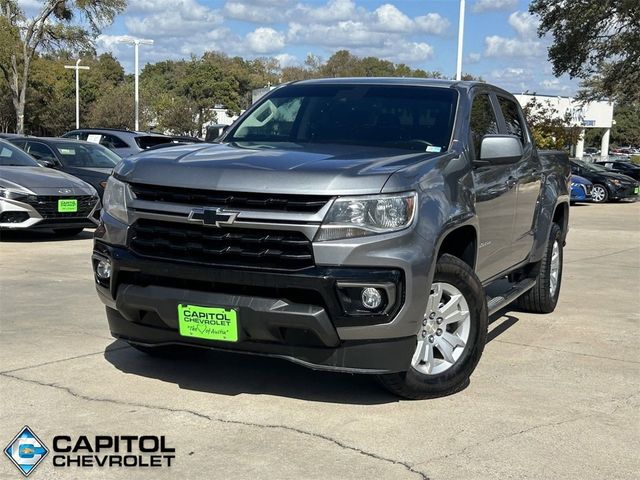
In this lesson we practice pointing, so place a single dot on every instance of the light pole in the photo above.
(77, 68)
(460, 41)
(136, 42)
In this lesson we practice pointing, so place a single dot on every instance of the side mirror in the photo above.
(500, 150)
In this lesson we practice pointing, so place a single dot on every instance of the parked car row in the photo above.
(58, 183)
(33, 196)
(604, 183)
(127, 142)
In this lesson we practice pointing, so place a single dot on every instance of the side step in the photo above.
(513, 291)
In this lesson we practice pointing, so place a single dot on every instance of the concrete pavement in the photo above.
(554, 396)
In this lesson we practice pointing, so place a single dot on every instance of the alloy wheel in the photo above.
(598, 194)
(554, 268)
(444, 331)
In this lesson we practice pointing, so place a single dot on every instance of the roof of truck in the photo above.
(408, 81)
(392, 81)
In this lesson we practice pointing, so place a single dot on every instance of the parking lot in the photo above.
(554, 396)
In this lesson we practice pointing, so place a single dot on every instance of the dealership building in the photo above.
(583, 115)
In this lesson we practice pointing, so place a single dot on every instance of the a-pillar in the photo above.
(604, 145)
(580, 145)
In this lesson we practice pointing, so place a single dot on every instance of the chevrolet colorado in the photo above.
(365, 225)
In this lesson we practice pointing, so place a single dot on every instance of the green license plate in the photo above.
(637, 189)
(209, 323)
(67, 205)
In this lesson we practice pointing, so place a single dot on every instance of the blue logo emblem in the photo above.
(26, 451)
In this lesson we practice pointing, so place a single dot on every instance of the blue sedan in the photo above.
(580, 189)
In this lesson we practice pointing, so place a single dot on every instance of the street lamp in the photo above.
(136, 42)
(77, 68)
(460, 41)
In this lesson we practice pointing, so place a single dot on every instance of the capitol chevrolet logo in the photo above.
(26, 451)
(212, 216)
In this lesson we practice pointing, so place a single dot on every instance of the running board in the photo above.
(505, 298)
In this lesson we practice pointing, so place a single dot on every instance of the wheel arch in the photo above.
(561, 217)
(462, 243)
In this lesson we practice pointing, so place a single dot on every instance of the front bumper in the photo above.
(387, 356)
(626, 190)
(294, 315)
(581, 193)
(17, 215)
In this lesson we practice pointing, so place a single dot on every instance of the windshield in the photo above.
(11, 156)
(86, 155)
(406, 117)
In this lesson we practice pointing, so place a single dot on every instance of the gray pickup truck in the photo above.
(364, 225)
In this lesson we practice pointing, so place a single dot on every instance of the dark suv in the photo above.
(123, 142)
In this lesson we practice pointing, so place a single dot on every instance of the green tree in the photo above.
(7, 113)
(626, 130)
(597, 41)
(114, 108)
(73, 24)
(549, 129)
(50, 98)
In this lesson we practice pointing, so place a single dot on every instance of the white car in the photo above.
(33, 196)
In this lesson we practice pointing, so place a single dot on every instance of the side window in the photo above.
(76, 135)
(41, 152)
(575, 169)
(512, 118)
(483, 121)
(112, 142)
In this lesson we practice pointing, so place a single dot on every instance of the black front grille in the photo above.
(214, 198)
(47, 205)
(239, 247)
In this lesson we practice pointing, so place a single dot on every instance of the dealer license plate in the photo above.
(67, 205)
(209, 323)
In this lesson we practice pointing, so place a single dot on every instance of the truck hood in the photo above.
(285, 168)
(43, 181)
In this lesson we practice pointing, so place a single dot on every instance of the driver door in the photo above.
(495, 188)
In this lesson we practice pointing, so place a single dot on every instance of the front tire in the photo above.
(599, 193)
(543, 297)
(450, 338)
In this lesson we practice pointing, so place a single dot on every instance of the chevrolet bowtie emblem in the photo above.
(212, 216)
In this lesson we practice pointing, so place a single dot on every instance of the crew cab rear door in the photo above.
(495, 192)
(527, 173)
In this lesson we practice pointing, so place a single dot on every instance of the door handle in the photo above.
(511, 182)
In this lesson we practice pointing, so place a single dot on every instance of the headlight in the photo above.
(351, 217)
(615, 182)
(15, 193)
(114, 200)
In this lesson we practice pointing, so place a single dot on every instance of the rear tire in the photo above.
(416, 384)
(67, 232)
(543, 297)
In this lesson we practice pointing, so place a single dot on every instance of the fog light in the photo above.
(371, 298)
(103, 269)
